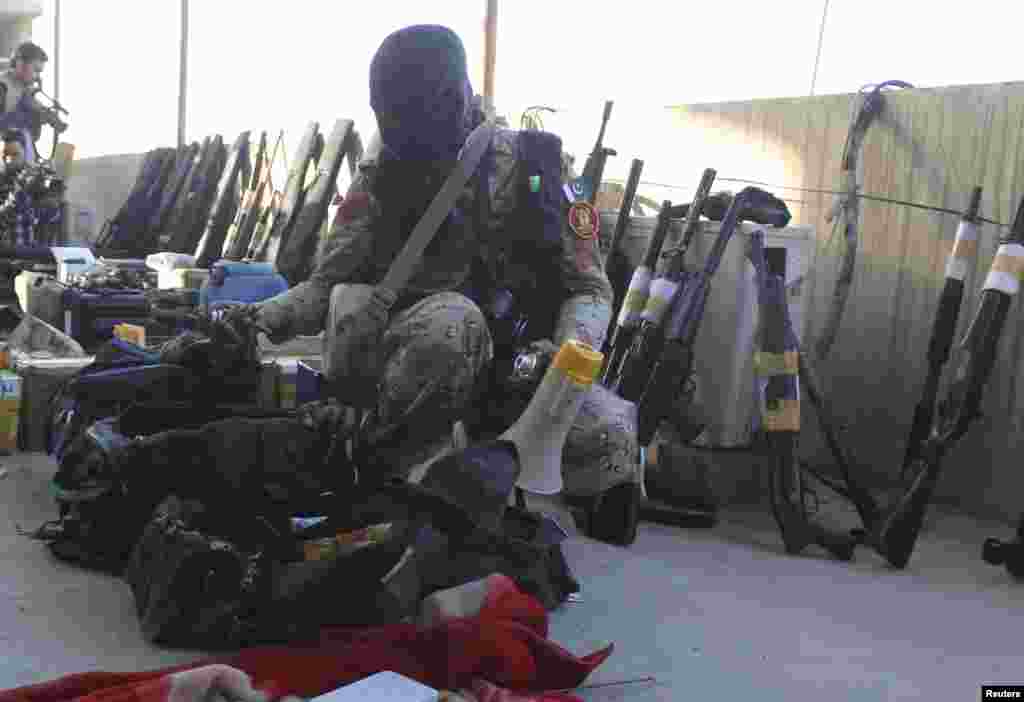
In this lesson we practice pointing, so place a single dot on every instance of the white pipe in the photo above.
(821, 38)
(183, 73)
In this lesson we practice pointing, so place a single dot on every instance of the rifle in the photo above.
(776, 365)
(593, 170)
(944, 328)
(616, 265)
(625, 210)
(639, 359)
(237, 239)
(636, 297)
(669, 389)
(895, 535)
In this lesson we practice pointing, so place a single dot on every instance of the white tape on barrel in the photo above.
(662, 293)
(636, 296)
(1007, 269)
(965, 248)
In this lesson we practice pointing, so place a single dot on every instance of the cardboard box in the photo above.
(10, 404)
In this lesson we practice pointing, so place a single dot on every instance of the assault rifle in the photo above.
(668, 390)
(593, 170)
(639, 358)
(777, 362)
(616, 265)
(635, 298)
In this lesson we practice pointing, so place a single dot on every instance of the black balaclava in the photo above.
(421, 93)
(422, 97)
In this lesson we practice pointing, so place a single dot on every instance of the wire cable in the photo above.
(863, 196)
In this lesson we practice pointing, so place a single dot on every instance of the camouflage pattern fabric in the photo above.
(435, 348)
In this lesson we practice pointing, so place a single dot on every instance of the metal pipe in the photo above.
(183, 73)
(56, 50)
(490, 52)
(821, 39)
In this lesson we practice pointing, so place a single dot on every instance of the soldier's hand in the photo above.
(321, 415)
(238, 326)
(545, 348)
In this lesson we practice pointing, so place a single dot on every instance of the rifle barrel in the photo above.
(625, 209)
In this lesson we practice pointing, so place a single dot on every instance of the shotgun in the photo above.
(895, 535)
(964, 251)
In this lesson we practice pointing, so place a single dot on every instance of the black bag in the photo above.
(113, 475)
(194, 588)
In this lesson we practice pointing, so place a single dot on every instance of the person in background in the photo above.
(18, 86)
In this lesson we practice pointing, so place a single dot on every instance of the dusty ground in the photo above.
(719, 614)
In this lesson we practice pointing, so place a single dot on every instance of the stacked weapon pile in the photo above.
(217, 202)
(650, 361)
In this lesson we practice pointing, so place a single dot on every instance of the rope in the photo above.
(863, 196)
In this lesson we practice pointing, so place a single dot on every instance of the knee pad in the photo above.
(601, 450)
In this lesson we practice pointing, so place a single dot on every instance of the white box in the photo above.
(190, 278)
(382, 687)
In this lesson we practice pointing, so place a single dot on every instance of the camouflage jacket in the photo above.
(360, 250)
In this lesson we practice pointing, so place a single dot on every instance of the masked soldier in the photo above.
(514, 230)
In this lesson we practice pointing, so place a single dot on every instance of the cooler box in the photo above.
(90, 316)
(231, 281)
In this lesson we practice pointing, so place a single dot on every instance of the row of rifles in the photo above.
(214, 202)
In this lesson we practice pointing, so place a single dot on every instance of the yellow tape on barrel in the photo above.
(769, 364)
(781, 415)
(1007, 269)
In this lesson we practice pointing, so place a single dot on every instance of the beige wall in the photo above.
(931, 147)
(103, 184)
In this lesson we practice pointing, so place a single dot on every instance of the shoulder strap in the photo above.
(405, 263)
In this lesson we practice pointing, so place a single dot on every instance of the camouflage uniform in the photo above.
(438, 342)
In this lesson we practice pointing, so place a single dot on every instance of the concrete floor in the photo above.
(719, 614)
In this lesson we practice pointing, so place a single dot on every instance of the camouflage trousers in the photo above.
(434, 352)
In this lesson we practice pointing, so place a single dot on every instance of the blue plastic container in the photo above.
(235, 282)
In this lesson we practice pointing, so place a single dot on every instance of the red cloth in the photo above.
(505, 644)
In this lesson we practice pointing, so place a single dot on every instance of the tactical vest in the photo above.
(517, 279)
